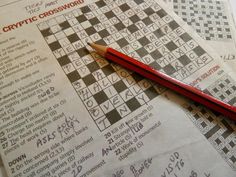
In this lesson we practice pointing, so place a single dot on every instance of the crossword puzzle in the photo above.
(218, 130)
(141, 29)
(207, 17)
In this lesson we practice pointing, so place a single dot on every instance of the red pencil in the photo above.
(165, 80)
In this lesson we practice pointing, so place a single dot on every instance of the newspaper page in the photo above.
(213, 20)
(65, 111)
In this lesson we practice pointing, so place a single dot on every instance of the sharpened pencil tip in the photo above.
(89, 44)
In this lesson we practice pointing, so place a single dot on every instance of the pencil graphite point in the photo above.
(89, 44)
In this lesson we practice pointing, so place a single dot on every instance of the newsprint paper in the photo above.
(66, 111)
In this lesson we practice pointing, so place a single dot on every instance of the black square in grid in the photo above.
(171, 46)
(185, 37)
(73, 76)
(184, 60)
(169, 69)
(113, 116)
(93, 66)
(64, 25)
(142, 52)
(107, 70)
(100, 97)
(147, 21)
(73, 37)
(158, 33)
(137, 77)
(155, 65)
(132, 28)
(199, 51)
(103, 33)
(83, 52)
(156, 54)
(90, 30)
(85, 9)
(120, 86)
(54, 45)
(124, 7)
(143, 41)
(46, 32)
(101, 42)
(122, 42)
(134, 18)
(151, 93)
(173, 25)
(133, 104)
(110, 14)
(119, 26)
(89, 79)
(161, 13)
(63, 60)
(81, 18)
(100, 3)
(149, 11)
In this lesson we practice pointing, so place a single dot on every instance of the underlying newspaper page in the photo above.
(65, 111)
(213, 21)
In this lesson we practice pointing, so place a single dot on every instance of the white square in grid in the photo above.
(87, 59)
(142, 15)
(59, 53)
(84, 93)
(164, 39)
(69, 15)
(76, 12)
(127, 22)
(95, 88)
(73, 21)
(142, 98)
(77, 27)
(192, 44)
(69, 31)
(172, 35)
(170, 57)
(111, 29)
(79, 84)
(106, 106)
(150, 47)
(135, 89)
(104, 83)
(144, 84)
(52, 22)
(100, 61)
(68, 68)
(167, 18)
(82, 34)
(128, 49)
(183, 73)
(98, 74)
(126, 95)
(93, 6)
(113, 78)
(98, 27)
(122, 17)
(185, 48)
(59, 35)
(116, 100)
(135, 56)
(69, 49)
(55, 28)
(74, 56)
(129, 13)
(151, 37)
(86, 41)
(83, 71)
(78, 63)
(95, 37)
(60, 19)
(148, 59)
(50, 39)
(43, 26)
(166, 29)
(163, 50)
(162, 62)
(117, 11)
(178, 52)
(117, 36)
(64, 42)
(115, 46)
(90, 103)
(129, 81)
(86, 24)
(89, 15)
(105, 9)
(155, 7)
(191, 67)
(179, 31)
(177, 65)
(123, 110)
(178, 41)
(109, 39)
(110, 91)
(78, 45)
(96, 112)
(114, 20)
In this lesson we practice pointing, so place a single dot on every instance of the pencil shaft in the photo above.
(165, 80)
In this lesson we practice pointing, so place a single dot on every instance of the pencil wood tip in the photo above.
(89, 44)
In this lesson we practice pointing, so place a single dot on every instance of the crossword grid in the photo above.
(207, 17)
(218, 130)
(138, 28)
